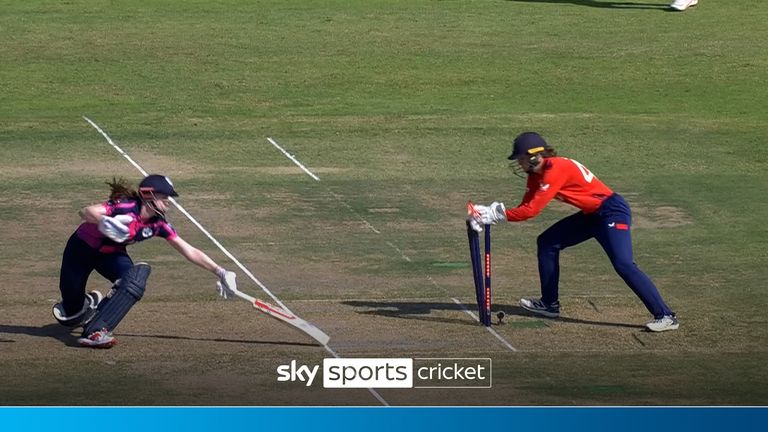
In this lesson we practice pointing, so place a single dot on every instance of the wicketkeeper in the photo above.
(604, 215)
(129, 216)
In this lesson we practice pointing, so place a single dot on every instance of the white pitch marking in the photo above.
(493, 332)
(345, 204)
(290, 156)
(373, 392)
(405, 257)
(119, 150)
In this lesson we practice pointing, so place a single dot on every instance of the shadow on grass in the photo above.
(239, 341)
(410, 310)
(517, 310)
(421, 310)
(55, 331)
(64, 334)
(605, 4)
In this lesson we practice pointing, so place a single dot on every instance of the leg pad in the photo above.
(128, 290)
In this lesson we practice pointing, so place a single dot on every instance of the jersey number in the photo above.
(588, 176)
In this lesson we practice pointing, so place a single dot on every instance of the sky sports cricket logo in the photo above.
(392, 373)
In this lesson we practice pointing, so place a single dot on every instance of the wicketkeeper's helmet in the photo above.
(528, 144)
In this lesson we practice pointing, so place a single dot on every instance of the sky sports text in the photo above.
(392, 373)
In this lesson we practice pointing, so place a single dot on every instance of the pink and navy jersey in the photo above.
(139, 230)
(565, 180)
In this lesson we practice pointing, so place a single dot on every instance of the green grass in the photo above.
(406, 109)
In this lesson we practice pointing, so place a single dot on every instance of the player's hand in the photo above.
(475, 224)
(491, 214)
(473, 217)
(116, 228)
(226, 285)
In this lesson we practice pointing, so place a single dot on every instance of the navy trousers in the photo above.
(610, 226)
(78, 262)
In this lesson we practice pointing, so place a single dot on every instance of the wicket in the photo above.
(482, 286)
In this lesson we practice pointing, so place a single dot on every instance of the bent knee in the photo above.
(546, 243)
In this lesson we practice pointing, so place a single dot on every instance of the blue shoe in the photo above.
(538, 307)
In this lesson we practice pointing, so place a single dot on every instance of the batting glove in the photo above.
(226, 284)
(116, 228)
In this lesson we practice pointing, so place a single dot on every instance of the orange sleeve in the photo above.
(538, 195)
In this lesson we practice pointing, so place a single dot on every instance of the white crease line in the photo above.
(373, 392)
(338, 198)
(119, 150)
(359, 216)
(290, 156)
(493, 332)
(405, 257)
(226, 252)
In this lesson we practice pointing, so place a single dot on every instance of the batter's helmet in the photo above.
(528, 144)
(156, 184)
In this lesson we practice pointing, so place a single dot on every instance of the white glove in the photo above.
(116, 228)
(491, 214)
(473, 217)
(226, 283)
(475, 224)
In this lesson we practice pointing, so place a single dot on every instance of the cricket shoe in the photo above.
(667, 322)
(681, 5)
(98, 339)
(551, 310)
(95, 297)
(86, 314)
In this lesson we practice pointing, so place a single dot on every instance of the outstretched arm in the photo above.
(194, 254)
(226, 284)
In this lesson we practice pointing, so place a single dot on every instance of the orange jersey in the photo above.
(563, 179)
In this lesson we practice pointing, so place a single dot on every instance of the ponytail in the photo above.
(121, 189)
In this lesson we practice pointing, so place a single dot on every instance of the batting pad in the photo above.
(127, 291)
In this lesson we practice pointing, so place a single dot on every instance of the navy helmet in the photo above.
(528, 144)
(155, 184)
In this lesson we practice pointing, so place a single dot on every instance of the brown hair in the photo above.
(549, 152)
(121, 189)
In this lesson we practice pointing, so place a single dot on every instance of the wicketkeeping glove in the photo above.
(496, 212)
(226, 283)
(475, 224)
(116, 228)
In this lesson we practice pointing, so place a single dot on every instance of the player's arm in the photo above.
(497, 212)
(536, 198)
(117, 229)
(193, 254)
(226, 284)
(93, 213)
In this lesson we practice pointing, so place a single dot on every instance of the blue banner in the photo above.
(509, 419)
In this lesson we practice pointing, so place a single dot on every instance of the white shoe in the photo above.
(538, 307)
(667, 322)
(682, 5)
(98, 339)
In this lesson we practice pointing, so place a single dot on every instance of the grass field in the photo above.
(405, 110)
